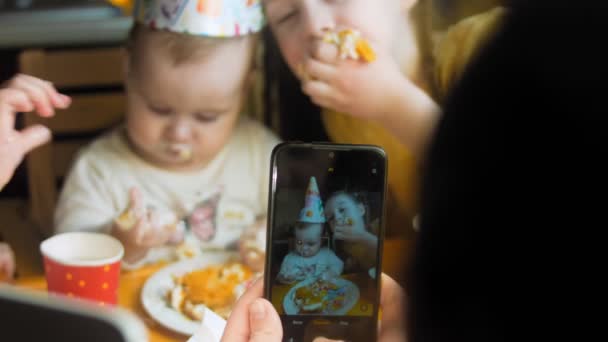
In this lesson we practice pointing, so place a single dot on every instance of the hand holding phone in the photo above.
(326, 217)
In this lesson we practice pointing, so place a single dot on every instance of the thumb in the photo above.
(264, 322)
(34, 136)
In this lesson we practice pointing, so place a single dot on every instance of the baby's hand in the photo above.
(364, 90)
(24, 93)
(139, 229)
(7, 262)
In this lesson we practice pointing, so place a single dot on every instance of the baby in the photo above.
(309, 259)
(186, 169)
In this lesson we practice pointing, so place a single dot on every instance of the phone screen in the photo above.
(325, 240)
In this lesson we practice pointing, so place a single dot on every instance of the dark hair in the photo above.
(359, 197)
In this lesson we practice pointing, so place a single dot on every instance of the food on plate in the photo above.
(320, 296)
(216, 287)
(351, 45)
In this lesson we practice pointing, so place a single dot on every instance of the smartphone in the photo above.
(29, 316)
(324, 241)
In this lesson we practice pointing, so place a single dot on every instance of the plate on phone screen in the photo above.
(333, 297)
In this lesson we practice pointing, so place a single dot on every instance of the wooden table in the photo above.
(131, 283)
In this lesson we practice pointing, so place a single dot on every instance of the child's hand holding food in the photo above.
(344, 73)
(140, 229)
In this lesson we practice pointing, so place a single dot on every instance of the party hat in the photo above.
(212, 18)
(313, 206)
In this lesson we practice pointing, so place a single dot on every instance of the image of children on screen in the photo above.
(328, 263)
(354, 234)
(309, 259)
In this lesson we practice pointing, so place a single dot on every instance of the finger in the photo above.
(237, 327)
(392, 302)
(324, 52)
(137, 234)
(9, 268)
(264, 322)
(319, 92)
(57, 100)
(7, 261)
(36, 94)
(11, 102)
(32, 137)
(320, 71)
(392, 296)
(136, 202)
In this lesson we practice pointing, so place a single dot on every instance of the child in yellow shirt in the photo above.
(388, 101)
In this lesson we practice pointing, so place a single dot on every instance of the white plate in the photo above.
(351, 298)
(153, 294)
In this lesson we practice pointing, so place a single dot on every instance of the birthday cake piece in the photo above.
(351, 45)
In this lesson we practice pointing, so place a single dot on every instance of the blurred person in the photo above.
(508, 247)
(392, 101)
(188, 171)
(22, 93)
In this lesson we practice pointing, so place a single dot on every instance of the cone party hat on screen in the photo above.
(313, 206)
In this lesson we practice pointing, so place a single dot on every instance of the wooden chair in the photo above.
(93, 78)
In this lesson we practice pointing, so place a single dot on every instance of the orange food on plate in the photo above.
(216, 287)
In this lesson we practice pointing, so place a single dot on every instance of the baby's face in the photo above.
(308, 239)
(342, 210)
(298, 24)
(179, 117)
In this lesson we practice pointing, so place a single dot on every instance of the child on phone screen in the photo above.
(309, 260)
(187, 168)
(354, 235)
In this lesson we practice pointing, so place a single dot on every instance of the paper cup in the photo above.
(83, 265)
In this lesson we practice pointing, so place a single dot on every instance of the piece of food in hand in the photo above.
(351, 45)
(129, 217)
(127, 220)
